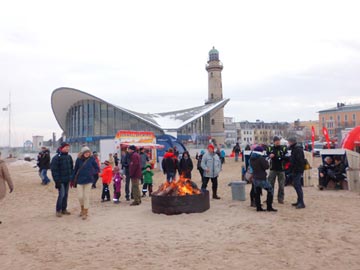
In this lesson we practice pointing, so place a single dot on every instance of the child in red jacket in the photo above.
(106, 176)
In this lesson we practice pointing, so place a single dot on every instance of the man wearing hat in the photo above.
(277, 154)
(62, 169)
(135, 174)
(211, 164)
(297, 161)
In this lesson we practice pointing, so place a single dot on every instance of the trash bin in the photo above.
(238, 190)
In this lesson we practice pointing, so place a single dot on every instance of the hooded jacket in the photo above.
(212, 163)
(297, 159)
(107, 175)
(4, 177)
(259, 165)
(43, 160)
(186, 166)
(85, 173)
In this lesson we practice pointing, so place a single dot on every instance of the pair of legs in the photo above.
(258, 185)
(105, 195)
(214, 181)
(298, 188)
(170, 176)
(61, 203)
(127, 187)
(135, 191)
(44, 178)
(117, 192)
(236, 157)
(147, 186)
(96, 177)
(281, 181)
(84, 198)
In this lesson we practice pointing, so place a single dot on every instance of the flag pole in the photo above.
(9, 120)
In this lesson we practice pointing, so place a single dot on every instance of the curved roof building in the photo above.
(85, 118)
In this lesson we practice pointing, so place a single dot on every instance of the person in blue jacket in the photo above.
(85, 169)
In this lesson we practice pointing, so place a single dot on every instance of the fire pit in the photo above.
(177, 197)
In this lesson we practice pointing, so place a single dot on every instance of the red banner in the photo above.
(312, 138)
(326, 135)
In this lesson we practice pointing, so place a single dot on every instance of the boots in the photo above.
(82, 211)
(215, 196)
(85, 214)
(269, 201)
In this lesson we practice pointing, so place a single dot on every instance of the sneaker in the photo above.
(66, 212)
(58, 214)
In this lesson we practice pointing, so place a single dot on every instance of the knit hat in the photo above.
(64, 144)
(116, 169)
(202, 152)
(85, 149)
(276, 138)
(258, 148)
(211, 146)
(292, 140)
(132, 147)
(106, 162)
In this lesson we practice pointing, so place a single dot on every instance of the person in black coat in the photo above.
(297, 164)
(186, 165)
(43, 162)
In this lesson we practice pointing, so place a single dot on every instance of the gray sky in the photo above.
(283, 60)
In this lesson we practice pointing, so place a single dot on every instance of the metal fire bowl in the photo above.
(174, 205)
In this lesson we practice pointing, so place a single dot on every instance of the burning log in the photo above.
(180, 187)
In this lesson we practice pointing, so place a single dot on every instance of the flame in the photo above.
(183, 186)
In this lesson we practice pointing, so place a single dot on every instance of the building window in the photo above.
(213, 121)
(354, 117)
(346, 118)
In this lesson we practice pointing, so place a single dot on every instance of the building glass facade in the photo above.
(88, 121)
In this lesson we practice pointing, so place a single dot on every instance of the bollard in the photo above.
(238, 190)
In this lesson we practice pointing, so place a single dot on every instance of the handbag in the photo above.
(249, 176)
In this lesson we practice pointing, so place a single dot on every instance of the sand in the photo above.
(230, 235)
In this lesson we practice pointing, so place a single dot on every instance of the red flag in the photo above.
(312, 138)
(326, 135)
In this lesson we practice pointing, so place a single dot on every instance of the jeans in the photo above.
(298, 188)
(214, 181)
(170, 176)
(61, 203)
(127, 186)
(236, 157)
(281, 180)
(43, 175)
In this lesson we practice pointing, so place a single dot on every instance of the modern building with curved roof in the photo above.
(85, 118)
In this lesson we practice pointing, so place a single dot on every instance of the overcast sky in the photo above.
(283, 60)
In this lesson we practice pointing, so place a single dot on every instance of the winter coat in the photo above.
(278, 161)
(297, 159)
(135, 166)
(148, 175)
(4, 177)
(170, 163)
(43, 160)
(62, 167)
(144, 159)
(111, 161)
(259, 166)
(85, 174)
(185, 167)
(237, 149)
(211, 162)
(107, 175)
(125, 161)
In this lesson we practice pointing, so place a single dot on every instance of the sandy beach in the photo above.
(230, 235)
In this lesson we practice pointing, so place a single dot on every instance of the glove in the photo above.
(57, 184)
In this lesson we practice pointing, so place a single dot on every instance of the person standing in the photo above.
(186, 165)
(237, 151)
(83, 178)
(125, 161)
(259, 166)
(211, 165)
(111, 160)
(117, 184)
(4, 177)
(144, 159)
(199, 159)
(135, 174)
(62, 170)
(278, 155)
(116, 159)
(297, 161)
(106, 176)
(43, 162)
(96, 175)
(170, 165)
(148, 180)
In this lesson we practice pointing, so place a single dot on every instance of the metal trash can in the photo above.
(238, 190)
